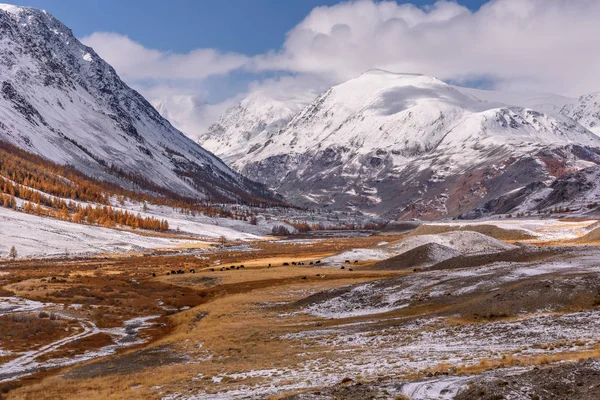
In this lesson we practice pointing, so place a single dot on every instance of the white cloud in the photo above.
(190, 114)
(522, 44)
(134, 61)
(299, 89)
(519, 45)
(185, 108)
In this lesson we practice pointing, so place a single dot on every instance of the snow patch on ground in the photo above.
(465, 242)
(544, 229)
(35, 236)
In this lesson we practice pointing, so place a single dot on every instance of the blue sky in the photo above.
(244, 26)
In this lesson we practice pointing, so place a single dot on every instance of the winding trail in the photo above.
(27, 364)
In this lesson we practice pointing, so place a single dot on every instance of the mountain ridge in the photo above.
(586, 111)
(59, 99)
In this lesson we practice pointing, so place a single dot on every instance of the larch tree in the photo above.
(13, 253)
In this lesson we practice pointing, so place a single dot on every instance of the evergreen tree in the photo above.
(13, 253)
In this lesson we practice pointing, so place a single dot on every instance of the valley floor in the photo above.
(450, 314)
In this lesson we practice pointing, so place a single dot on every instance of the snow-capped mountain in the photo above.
(409, 145)
(59, 99)
(244, 127)
(586, 111)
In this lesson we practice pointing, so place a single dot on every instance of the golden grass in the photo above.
(199, 245)
(236, 328)
(239, 331)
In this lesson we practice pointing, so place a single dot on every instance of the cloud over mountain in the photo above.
(541, 45)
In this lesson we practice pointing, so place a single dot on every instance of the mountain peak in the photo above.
(397, 78)
(377, 84)
(387, 142)
(12, 9)
(20, 12)
(379, 71)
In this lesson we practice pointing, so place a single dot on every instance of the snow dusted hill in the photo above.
(409, 145)
(59, 99)
(244, 128)
(586, 111)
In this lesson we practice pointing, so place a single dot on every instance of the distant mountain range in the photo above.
(60, 100)
(407, 145)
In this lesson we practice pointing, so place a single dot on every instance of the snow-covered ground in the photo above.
(543, 229)
(410, 347)
(380, 297)
(35, 236)
(202, 225)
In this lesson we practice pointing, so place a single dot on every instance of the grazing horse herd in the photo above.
(234, 267)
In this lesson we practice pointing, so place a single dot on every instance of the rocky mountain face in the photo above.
(578, 191)
(586, 111)
(59, 99)
(410, 146)
(243, 129)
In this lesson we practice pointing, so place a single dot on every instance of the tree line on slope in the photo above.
(49, 186)
(75, 212)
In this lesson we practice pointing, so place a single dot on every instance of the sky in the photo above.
(244, 26)
(195, 58)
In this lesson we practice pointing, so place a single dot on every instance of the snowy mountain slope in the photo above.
(545, 102)
(59, 99)
(586, 111)
(412, 146)
(245, 127)
(577, 192)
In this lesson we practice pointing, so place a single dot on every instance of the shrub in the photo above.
(280, 230)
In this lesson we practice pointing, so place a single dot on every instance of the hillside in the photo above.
(575, 192)
(86, 215)
(60, 100)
